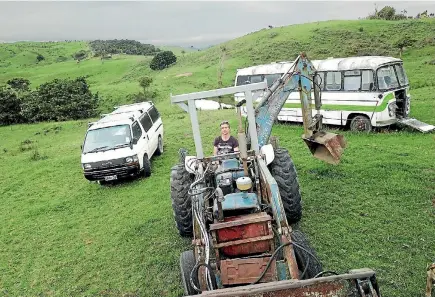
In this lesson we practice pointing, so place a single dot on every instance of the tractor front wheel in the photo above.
(284, 172)
(308, 263)
(181, 202)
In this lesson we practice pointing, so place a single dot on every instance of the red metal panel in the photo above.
(245, 271)
(250, 235)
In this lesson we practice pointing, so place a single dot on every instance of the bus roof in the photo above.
(353, 63)
(330, 64)
(272, 68)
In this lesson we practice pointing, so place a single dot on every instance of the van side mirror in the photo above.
(134, 141)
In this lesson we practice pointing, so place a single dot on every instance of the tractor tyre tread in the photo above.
(302, 256)
(180, 181)
(284, 172)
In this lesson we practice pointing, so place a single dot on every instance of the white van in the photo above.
(357, 92)
(122, 143)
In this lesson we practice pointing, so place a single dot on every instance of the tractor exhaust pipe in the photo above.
(243, 146)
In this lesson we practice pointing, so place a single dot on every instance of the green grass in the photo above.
(63, 236)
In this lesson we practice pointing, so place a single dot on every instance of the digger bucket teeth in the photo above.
(326, 146)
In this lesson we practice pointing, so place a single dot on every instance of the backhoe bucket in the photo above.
(356, 283)
(326, 146)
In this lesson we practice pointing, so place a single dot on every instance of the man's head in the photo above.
(225, 128)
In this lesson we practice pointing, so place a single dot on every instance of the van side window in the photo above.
(145, 120)
(368, 82)
(137, 131)
(154, 114)
(333, 81)
(352, 80)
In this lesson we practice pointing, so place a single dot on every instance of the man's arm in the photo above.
(215, 150)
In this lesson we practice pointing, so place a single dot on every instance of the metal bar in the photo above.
(218, 92)
(242, 241)
(195, 129)
(183, 106)
(271, 287)
(251, 120)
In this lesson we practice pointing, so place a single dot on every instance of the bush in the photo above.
(10, 107)
(162, 60)
(19, 84)
(60, 100)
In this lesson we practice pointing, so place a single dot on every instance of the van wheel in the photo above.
(159, 149)
(146, 166)
(360, 123)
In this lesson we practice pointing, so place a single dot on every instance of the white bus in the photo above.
(357, 92)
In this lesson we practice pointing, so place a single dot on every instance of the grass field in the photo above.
(63, 236)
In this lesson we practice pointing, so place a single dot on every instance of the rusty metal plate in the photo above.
(244, 235)
(245, 271)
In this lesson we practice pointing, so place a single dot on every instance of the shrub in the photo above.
(162, 60)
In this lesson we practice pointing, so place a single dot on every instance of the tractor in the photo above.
(241, 209)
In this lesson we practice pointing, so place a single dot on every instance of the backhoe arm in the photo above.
(300, 78)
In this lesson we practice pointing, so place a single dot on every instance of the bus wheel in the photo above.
(360, 123)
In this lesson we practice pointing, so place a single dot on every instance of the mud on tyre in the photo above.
(181, 202)
(284, 172)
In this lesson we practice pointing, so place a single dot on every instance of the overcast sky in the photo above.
(184, 23)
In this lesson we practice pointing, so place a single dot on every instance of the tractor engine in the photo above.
(242, 234)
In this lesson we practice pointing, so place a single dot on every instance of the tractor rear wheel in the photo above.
(306, 258)
(284, 172)
(181, 203)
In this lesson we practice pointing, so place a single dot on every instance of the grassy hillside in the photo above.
(63, 236)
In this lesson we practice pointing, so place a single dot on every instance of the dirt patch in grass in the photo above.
(184, 74)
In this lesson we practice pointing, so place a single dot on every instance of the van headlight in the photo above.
(131, 159)
(87, 166)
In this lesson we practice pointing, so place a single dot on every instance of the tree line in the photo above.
(122, 46)
(57, 100)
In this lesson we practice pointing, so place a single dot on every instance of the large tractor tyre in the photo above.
(181, 203)
(284, 171)
(306, 258)
(187, 263)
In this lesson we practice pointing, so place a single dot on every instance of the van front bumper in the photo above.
(121, 171)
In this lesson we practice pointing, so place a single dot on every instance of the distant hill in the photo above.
(197, 70)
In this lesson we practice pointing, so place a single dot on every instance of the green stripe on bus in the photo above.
(378, 108)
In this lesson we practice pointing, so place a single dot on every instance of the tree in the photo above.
(387, 13)
(10, 107)
(19, 84)
(59, 100)
(145, 82)
(163, 60)
(403, 42)
(39, 58)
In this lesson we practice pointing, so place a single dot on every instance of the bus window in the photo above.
(387, 78)
(403, 79)
(333, 81)
(352, 80)
(255, 79)
(271, 78)
(367, 81)
(242, 79)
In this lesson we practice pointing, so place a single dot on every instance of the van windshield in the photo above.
(107, 138)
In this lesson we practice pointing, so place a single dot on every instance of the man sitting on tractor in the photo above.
(225, 143)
